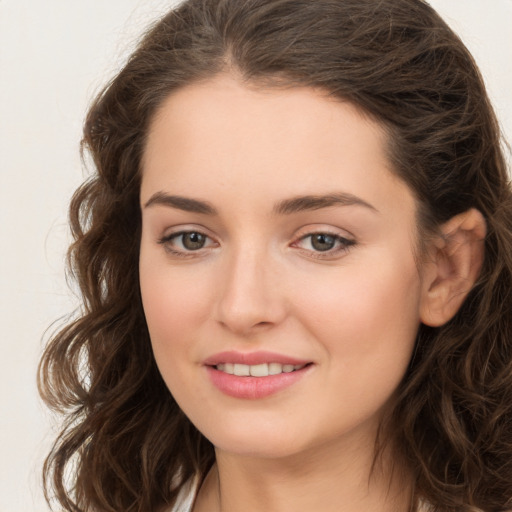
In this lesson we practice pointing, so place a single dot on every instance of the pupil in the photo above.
(323, 242)
(193, 241)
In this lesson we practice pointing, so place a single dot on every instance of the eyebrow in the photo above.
(181, 203)
(316, 202)
(284, 207)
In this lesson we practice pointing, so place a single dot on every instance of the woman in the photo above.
(295, 259)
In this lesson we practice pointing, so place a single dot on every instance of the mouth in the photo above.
(255, 381)
(258, 370)
(255, 375)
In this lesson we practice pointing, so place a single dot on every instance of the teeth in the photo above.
(257, 370)
(275, 368)
(242, 370)
(226, 368)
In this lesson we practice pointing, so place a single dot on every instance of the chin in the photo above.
(262, 448)
(264, 439)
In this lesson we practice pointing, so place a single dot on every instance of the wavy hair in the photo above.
(125, 442)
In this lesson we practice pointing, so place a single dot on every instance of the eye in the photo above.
(185, 242)
(191, 241)
(323, 242)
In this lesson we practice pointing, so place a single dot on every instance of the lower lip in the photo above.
(254, 387)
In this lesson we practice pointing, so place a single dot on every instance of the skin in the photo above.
(259, 283)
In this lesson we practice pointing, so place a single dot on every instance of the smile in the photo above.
(255, 375)
(257, 370)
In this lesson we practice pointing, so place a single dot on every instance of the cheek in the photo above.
(175, 303)
(367, 316)
(171, 305)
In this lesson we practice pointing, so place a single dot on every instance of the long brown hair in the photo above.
(125, 441)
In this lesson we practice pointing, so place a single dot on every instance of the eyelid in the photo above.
(312, 229)
(345, 241)
(181, 230)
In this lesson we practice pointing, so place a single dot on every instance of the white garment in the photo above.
(186, 496)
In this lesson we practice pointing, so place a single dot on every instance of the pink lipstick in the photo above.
(254, 375)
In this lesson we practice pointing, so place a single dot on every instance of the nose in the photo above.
(252, 297)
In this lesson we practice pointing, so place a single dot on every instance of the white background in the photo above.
(54, 55)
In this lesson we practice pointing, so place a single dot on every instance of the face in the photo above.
(277, 266)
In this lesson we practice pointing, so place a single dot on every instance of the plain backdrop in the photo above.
(54, 56)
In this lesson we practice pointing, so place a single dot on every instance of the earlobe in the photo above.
(455, 259)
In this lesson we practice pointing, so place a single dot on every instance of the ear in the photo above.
(455, 258)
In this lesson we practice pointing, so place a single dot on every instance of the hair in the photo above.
(125, 442)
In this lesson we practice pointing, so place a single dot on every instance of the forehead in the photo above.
(222, 135)
(208, 110)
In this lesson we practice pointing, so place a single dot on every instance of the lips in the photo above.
(253, 358)
(256, 374)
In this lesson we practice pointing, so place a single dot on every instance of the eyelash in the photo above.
(344, 244)
(167, 239)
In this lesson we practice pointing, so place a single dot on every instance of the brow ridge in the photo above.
(316, 202)
(181, 203)
(284, 207)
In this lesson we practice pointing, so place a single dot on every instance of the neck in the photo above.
(325, 479)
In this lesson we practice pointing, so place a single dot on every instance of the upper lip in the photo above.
(252, 358)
